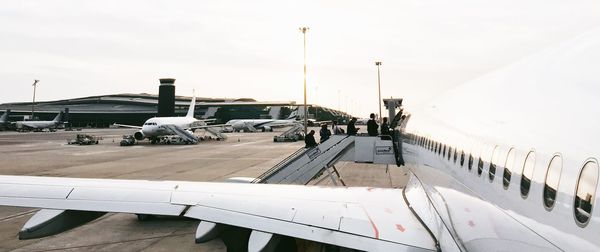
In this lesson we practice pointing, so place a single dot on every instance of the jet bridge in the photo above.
(308, 163)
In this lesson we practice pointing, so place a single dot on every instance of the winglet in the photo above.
(190, 112)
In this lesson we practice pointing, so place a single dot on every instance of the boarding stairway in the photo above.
(216, 132)
(185, 135)
(307, 163)
(292, 134)
(248, 127)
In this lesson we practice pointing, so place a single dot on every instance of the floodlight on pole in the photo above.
(378, 64)
(35, 82)
(304, 30)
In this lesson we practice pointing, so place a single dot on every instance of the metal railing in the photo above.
(287, 160)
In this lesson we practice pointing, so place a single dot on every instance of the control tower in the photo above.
(166, 97)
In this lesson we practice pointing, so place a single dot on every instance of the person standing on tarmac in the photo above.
(325, 133)
(351, 129)
(309, 140)
(372, 126)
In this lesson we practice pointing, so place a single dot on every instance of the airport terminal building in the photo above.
(135, 109)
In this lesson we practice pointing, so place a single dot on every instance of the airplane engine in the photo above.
(267, 129)
(139, 135)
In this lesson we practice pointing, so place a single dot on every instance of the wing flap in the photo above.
(296, 230)
(35, 191)
(96, 206)
(122, 195)
(127, 126)
(252, 205)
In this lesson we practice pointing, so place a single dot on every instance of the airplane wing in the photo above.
(28, 125)
(127, 126)
(208, 126)
(369, 219)
(208, 120)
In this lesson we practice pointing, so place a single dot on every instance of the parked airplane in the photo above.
(253, 125)
(508, 161)
(362, 121)
(40, 125)
(158, 127)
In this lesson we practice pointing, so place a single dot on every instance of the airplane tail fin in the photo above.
(58, 117)
(4, 117)
(293, 115)
(190, 112)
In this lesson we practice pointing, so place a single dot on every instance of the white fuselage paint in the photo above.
(37, 124)
(242, 124)
(548, 104)
(153, 126)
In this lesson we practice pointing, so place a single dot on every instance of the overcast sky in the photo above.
(254, 49)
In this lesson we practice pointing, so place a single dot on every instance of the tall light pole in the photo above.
(304, 30)
(315, 102)
(35, 82)
(378, 64)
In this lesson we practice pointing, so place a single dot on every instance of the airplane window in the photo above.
(552, 180)
(455, 157)
(493, 162)
(449, 153)
(479, 166)
(470, 161)
(435, 148)
(440, 149)
(527, 174)
(444, 151)
(508, 167)
(586, 189)
(462, 158)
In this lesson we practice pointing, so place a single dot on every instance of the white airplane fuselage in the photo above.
(37, 124)
(153, 127)
(267, 124)
(529, 143)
